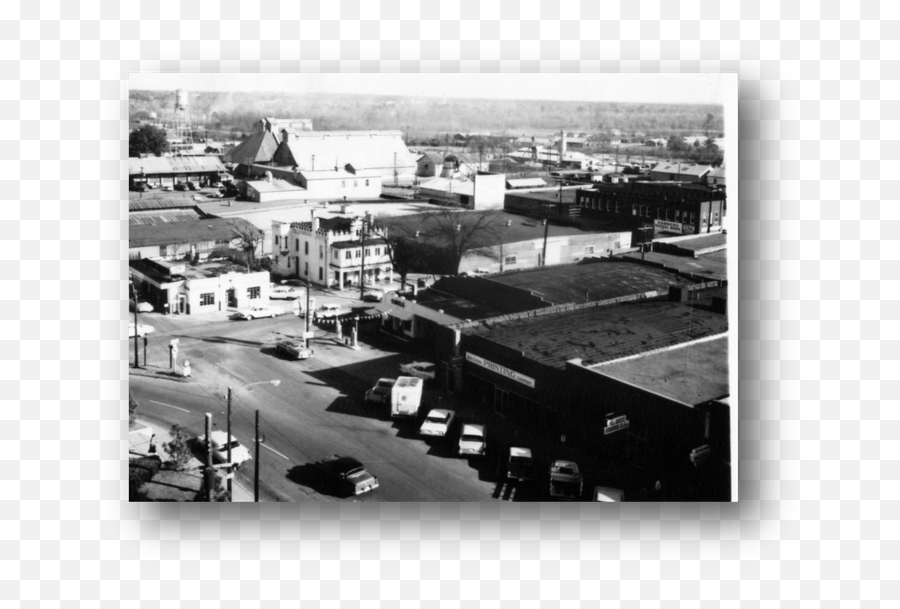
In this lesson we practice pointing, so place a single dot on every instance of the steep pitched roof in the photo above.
(260, 147)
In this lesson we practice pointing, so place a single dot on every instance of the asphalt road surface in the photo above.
(316, 410)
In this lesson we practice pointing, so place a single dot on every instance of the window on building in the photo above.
(509, 260)
(305, 247)
(693, 218)
(348, 254)
(321, 252)
(320, 273)
(588, 249)
(368, 251)
(649, 212)
(343, 183)
(367, 182)
(277, 240)
(358, 252)
(377, 251)
(660, 213)
(617, 207)
(162, 250)
(355, 183)
(306, 268)
(207, 299)
(253, 293)
(297, 245)
(715, 219)
(678, 215)
(634, 210)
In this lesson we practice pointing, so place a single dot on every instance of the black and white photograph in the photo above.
(432, 287)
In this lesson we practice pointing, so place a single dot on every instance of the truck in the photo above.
(406, 396)
(566, 481)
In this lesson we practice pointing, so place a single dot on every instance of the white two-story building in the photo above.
(329, 252)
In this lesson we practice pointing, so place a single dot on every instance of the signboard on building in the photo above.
(511, 374)
(672, 227)
(616, 424)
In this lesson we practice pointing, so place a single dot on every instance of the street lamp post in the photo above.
(274, 383)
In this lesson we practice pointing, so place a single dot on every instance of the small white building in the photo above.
(339, 183)
(328, 252)
(271, 189)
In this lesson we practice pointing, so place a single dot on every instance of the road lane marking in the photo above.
(275, 451)
(170, 406)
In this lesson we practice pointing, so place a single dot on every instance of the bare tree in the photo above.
(249, 239)
(456, 233)
(402, 245)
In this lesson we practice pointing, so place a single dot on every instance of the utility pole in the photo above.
(228, 439)
(362, 267)
(209, 463)
(137, 364)
(546, 231)
(256, 462)
(306, 333)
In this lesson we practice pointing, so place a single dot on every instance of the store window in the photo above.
(253, 293)
(207, 299)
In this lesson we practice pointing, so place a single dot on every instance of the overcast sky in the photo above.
(591, 87)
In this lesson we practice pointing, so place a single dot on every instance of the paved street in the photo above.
(315, 411)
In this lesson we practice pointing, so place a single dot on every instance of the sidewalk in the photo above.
(169, 485)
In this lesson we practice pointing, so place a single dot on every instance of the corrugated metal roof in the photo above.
(163, 216)
(174, 165)
(147, 204)
(682, 169)
(364, 149)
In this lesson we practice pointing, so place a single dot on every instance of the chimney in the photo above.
(284, 135)
(315, 221)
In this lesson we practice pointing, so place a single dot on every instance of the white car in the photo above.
(256, 312)
(142, 330)
(422, 370)
(437, 423)
(285, 292)
(142, 307)
(473, 440)
(219, 446)
(327, 311)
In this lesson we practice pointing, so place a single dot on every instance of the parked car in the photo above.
(295, 283)
(142, 306)
(348, 474)
(608, 494)
(180, 186)
(285, 292)
(256, 312)
(217, 185)
(142, 330)
(422, 370)
(473, 440)
(437, 423)
(566, 480)
(219, 447)
(140, 188)
(521, 464)
(372, 295)
(330, 310)
(294, 349)
(381, 392)
(166, 188)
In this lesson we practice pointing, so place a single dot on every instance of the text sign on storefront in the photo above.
(511, 374)
(615, 424)
(672, 227)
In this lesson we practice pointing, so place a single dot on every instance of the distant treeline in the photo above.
(239, 112)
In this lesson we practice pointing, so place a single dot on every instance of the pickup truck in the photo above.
(566, 481)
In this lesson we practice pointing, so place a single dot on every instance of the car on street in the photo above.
(608, 494)
(256, 312)
(381, 392)
(296, 283)
(521, 464)
(219, 447)
(285, 292)
(348, 474)
(142, 329)
(293, 349)
(331, 310)
(372, 295)
(142, 306)
(422, 370)
(437, 423)
(472, 440)
(217, 185)
(166, 188)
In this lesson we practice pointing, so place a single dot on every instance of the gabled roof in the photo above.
(260, 147)
(274, 186)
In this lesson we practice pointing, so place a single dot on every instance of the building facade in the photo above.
(328, 252)
(670, 208)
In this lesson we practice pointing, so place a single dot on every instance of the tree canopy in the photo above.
(147, 139)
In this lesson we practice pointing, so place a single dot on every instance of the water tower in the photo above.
(182, 118)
